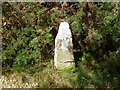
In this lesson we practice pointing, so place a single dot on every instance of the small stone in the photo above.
(63, 47)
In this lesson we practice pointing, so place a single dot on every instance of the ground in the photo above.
(48, 77)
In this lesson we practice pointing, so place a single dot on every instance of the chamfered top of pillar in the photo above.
(63, 30)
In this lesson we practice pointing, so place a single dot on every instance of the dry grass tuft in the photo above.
(48, 77)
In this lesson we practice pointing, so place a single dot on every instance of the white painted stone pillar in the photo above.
(63, 47)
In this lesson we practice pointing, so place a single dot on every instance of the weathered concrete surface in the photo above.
(63, 47)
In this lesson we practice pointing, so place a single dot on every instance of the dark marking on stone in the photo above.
(59, 43)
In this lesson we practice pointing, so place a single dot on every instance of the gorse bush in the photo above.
(29, 54)
(25, 50)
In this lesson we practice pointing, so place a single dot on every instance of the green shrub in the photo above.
(25, 51)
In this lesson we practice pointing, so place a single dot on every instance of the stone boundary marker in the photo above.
(63, 56)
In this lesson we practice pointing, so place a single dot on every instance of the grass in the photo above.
(50, 77)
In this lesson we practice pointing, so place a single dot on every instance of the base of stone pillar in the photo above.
(64, 65)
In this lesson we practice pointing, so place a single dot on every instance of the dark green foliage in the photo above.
(21, 50)
(24, 51)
